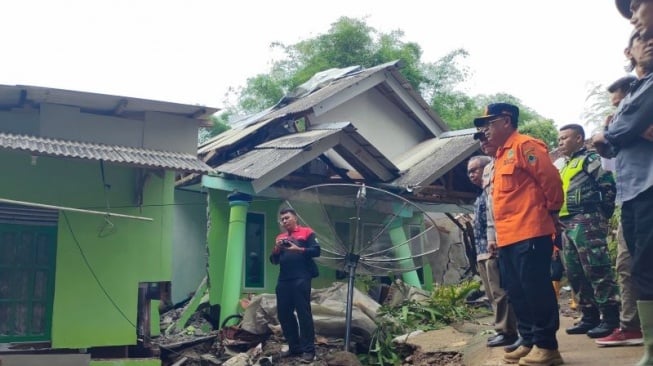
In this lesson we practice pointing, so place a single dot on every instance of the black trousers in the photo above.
(526, 276)
(295, 296)
(637, 224)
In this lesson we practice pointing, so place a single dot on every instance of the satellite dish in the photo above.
(362, 230)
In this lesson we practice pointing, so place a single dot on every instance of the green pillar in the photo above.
(233, 267)
(398, 236)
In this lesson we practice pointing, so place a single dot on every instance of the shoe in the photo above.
(622, 337)
(589, 321)
(542, 357)
(308, 357)
(604, 329)
(501, 340)
(516, 355)
(609, 322)
(511, 347)
(581, 328)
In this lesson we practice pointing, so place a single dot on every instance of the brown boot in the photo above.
(542, 357)
(556, 288)
(514, 356)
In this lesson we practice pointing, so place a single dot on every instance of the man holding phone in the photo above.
(294, 251)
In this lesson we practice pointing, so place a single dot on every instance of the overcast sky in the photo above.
(191, 51)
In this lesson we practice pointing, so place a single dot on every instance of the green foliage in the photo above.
(351, 42)
(543, 129)
(597, 107)
(219, 126)
(445, 306)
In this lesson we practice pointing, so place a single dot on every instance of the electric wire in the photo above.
(90, 268)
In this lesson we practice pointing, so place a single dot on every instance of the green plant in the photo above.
(446, 305)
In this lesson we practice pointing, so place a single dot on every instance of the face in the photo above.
(642, 18)
(616, 97)
(642, 52)
(475, 172)
(487, 148)
(497, 130)
(288, 220)
(569, 141)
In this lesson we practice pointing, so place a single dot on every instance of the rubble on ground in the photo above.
(257, 339)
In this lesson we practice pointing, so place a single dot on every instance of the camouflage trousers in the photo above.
(586, 259)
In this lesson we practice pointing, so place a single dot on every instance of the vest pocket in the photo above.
(507, 181)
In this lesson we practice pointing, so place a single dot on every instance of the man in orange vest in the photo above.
(527, 197)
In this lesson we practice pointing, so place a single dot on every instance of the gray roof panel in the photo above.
(110, 153)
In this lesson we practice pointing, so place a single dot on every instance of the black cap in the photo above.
(624, 8)
(495, 110)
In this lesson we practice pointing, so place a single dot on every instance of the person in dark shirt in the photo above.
(294, 251)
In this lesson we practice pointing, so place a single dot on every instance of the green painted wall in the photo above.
(127, 362)
(95, 299)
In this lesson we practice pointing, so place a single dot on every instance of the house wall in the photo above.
(189, 243)
(95, 299)
(379, 121)
(157, 131)
(219, 210)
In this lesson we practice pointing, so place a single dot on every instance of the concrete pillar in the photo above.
(398, 236)
(232, 280)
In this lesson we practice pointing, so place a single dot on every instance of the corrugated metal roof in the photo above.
(110, 153)
(268, 156)
(16, 96)
(436, 157)
(301, 106)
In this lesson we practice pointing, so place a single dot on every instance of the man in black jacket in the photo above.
(294, 251)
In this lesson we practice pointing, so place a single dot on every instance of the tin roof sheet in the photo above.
(110, 153)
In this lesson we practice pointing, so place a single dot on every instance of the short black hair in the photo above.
(576, 127)
(622, 84)
(286, 210)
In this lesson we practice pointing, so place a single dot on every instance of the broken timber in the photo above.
(190, 308)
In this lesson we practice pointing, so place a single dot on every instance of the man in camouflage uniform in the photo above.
(589, 203)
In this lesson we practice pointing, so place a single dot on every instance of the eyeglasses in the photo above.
(490, 123)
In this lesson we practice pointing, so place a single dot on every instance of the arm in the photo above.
(633, 118)
(534, 158)
(312, 246)
(605, 182)
(276, 251)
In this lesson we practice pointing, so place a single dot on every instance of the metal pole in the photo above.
(72, 209)
(352, 261)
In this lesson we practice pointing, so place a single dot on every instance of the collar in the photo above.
(508, 144)
(582, 151)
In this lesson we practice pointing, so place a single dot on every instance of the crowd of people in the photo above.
(531, 212)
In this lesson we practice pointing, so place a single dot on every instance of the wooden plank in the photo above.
(190, 308)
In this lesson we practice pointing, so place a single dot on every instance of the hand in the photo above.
(599, 138)
(492, 248)
(560, 227)
(648, 134)
(608, 120)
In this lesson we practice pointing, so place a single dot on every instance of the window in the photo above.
(27, 257)
(255, 250)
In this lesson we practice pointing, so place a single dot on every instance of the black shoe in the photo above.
(602, 330)
(514, 346)
(501, 340)
(308, 357)
(581, 328)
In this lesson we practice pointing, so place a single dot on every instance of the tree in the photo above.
(219, 125)
(352, 42)
(597, 106)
